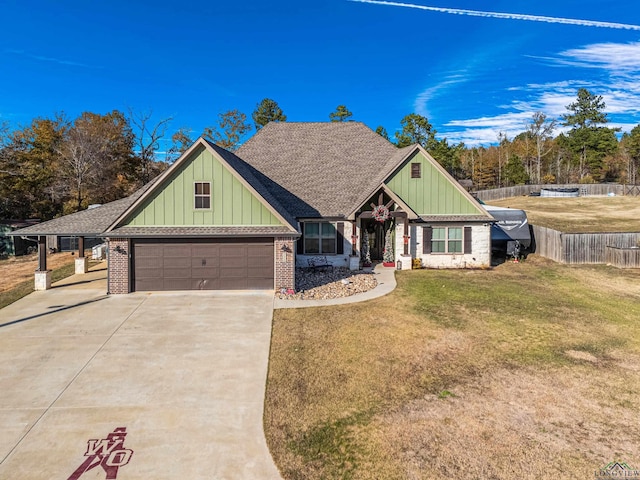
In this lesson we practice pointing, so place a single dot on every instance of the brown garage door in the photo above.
(222, 264)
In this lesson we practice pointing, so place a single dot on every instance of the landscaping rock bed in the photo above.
(326, 284)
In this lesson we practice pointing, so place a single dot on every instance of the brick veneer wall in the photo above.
(118, 265)
(285, 268)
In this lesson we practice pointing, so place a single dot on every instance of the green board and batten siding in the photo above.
(433, 194)
(232, 203)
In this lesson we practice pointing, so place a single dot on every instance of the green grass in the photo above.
(531, 349)
(25, 288)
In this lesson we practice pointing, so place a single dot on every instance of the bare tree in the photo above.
(147, 141)
(81, 155)
(541, 130)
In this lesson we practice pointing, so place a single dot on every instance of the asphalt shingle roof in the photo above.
(320, 169)
(303, 170)
(250, 175)
(90, 222)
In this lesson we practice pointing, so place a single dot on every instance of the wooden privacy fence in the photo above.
(592, 189)
(623, 257)
(576, 248)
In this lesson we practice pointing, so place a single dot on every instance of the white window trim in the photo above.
(446, 240)
(195, 195)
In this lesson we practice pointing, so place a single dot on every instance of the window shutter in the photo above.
(300, 246)
(427, 233)
(340, 238)
(467, 239)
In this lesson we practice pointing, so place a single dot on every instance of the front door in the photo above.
(375, 233)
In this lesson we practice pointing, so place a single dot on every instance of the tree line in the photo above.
(54, 166)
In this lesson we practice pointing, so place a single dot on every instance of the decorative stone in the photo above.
(326, 284)
(82, 265)
(42, 280)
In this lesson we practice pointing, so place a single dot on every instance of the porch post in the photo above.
(354, 259)
(82, 262)
(406, 235)
(42, 254)
(354, 238)
(42, 275)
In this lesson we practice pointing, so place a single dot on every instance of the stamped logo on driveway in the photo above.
(109, 453)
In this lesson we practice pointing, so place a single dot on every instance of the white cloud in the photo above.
(507, 16)
(618, 58)
(485, 130)
(420, 105)
(619, 85)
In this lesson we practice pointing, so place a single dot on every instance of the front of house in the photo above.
(292, 193)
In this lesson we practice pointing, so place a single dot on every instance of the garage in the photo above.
(203, 264)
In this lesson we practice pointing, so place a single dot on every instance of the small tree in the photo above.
(382, 132)
(180, 142)
(590, 141)
(416, 129)
(514, 171)
(267, 111)
(231, 128)
(342, 114)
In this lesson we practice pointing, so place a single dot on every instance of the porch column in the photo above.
(42, 275)
(82, 262)
(42, 253)
(354, 259)
(354, 239)
(406, 235)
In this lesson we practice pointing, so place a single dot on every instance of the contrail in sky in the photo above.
(508, 16)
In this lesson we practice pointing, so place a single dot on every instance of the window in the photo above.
(416, 170)
(202, 195)
(319, 238)
(446, 240)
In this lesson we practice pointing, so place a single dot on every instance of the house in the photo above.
(14, 245)
(293, 192)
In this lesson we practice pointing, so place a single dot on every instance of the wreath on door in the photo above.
(380, 213)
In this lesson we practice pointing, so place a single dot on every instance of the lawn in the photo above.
(525, 371)
(17, 274)
(579, 214)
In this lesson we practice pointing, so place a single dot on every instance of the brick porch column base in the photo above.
(285, 267)
(118, 265)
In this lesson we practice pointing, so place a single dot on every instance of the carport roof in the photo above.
(87, 223)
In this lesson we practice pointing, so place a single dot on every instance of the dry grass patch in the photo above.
(15, 270)
(525, 371)
(579, 214)
(16, 274)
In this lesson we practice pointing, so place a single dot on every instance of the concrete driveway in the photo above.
(162, 386)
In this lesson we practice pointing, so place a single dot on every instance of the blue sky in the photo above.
(473, 68)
